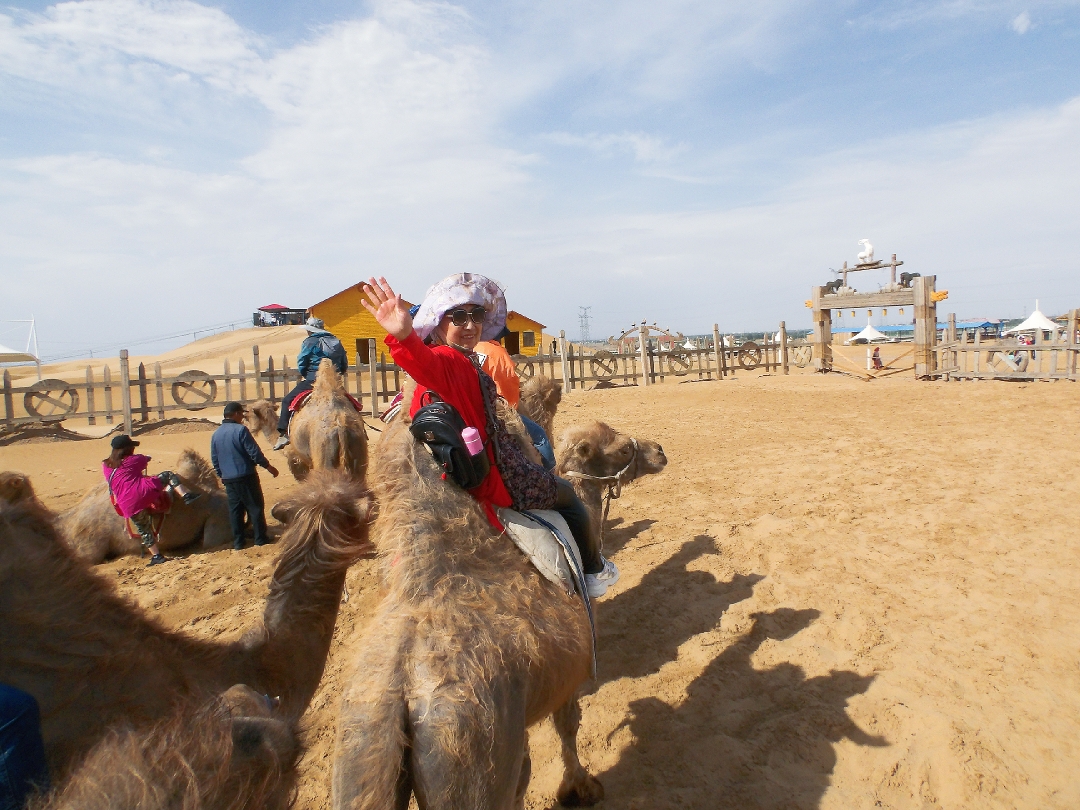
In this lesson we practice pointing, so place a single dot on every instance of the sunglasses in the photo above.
(460, 317)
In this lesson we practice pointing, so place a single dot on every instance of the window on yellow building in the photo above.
(528, 339)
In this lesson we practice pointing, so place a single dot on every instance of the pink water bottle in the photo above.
(471, 437)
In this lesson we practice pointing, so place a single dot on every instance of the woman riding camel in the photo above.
(436, 350)
(137, 495)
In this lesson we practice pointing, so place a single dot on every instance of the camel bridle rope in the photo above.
(614, 484)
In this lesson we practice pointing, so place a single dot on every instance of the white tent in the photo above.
(869, 334)
(1036, 322)
(11, 356)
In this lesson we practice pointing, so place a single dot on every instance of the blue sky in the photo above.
(170, 165)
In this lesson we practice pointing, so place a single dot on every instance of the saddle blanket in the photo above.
(301, 398)
(540, 546)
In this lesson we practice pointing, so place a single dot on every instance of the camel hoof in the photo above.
(584, 791)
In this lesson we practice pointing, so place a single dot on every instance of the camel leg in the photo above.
(526, 775)
(579, 788)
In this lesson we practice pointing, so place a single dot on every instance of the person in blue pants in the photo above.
(22, 753)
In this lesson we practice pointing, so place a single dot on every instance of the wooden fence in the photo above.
(144, 394)
(966, 359)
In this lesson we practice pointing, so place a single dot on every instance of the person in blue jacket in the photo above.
(234, 454)
(318, 344)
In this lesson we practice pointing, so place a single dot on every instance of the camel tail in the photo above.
(371, 764)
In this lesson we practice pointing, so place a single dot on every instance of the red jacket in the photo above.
(452, 376)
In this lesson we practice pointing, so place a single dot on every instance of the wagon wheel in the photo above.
(194, 390)
(51, 399)
(679, 363)
(604, 365)
(802, 355)
(524, 367)
(749, 355)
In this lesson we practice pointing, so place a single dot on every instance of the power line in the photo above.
(583, 324)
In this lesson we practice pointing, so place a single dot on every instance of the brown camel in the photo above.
(540, 398)
(261, 416)
(598, 461)
(469, 647)
(97, 533)
(327, 432)
(93, 658)
(16, 488)
(227, 754)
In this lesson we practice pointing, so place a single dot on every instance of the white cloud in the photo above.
(645, 148)
(1021, 23)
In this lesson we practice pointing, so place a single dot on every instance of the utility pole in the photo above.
(583, 324)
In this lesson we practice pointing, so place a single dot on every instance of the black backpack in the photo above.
(439, 425)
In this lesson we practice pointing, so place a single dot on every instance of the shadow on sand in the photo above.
(744, 737)
(616, 536)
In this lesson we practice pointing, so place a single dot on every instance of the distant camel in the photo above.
(261, 416)
(540, 398)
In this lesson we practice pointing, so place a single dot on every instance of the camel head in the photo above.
(196, 470)
(262, 417)
(16, 488)
(598, 450)
(540, 398)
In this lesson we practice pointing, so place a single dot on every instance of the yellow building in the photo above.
(354, 326)
(525, 336)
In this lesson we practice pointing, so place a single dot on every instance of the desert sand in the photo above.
(839, 594)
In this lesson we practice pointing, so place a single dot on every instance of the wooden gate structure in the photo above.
(920, 296)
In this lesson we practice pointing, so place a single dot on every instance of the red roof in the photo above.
(272, 307)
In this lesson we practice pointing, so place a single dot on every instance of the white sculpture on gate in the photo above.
(867, 255)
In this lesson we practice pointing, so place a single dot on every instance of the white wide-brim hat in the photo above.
(459, 290)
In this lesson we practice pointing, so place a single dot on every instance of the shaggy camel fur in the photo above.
(227, 754)
(92, 658)
(327, 432)
(540, 398)
(261, 416)
(597, 451)
(97, 533)
(469, 647)
(16, 488)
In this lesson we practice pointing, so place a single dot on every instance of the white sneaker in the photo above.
(597, 584)
(281, 442)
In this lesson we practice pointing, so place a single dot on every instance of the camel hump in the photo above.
(327, 380)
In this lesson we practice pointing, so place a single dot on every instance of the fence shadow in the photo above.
(744, 737)
(641, 628)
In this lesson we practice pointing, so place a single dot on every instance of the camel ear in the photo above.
(583, 449)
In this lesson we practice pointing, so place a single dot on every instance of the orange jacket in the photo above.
(500, 367)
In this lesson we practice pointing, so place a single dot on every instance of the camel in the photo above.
(92, 658)
(96, 532)
(469, 647)
(16, 488)
(227, 753)
(540, 398)
(327, 432)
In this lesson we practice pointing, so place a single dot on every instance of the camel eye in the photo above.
(660, 448)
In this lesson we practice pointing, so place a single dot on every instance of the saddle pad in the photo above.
(298, 401)
(538, 544)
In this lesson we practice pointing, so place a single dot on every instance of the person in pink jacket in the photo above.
(137, 495)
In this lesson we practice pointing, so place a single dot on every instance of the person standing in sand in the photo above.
(234, 454)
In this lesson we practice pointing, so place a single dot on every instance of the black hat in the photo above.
(233, 408)
(122, 441)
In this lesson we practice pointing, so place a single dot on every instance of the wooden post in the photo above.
(1038, 354)
(286, 388)
(382, 375)
(144, 405)
(159, 389)
(976, 364)
(822, 331)
(371, 379)
(243, 380)
(562, 358)
(783, 345)
(570, 363)
(228, 380)
(270, 379)
(255, 371)
(90, 418)
(107, 383)
(359, 386)
(925, 326)
(951, 336)
(1071, 343)
(961, 356)
(643, 351)
(125, 390)
(1054, 353)
(9, 402)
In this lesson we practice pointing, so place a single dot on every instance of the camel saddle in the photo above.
(543, 537)
(301, 398)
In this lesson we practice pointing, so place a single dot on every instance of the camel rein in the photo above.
(614, 484)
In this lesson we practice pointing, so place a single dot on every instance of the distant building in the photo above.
(278, 315)
(354, 326)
